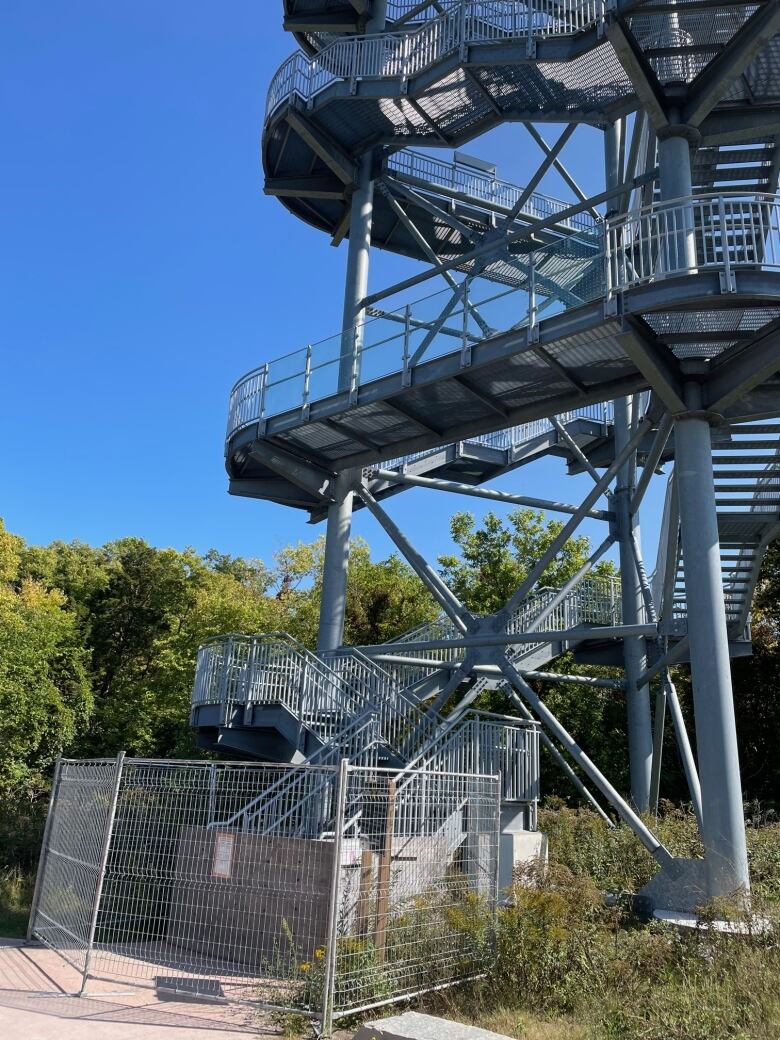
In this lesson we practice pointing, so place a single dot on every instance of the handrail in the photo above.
(435, 172)
(649, 245)
(402, 54)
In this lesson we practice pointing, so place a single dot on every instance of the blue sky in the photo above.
(143, 270)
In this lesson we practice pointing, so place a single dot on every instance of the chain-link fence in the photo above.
(322, 890)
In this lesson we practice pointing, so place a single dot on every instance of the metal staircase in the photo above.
(556, 318)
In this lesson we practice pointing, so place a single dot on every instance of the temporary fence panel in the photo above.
(317, 889)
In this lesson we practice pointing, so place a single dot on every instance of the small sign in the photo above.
(223, 856)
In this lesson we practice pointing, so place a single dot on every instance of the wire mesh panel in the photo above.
(71, 858)
(320, 889)
(417, 894)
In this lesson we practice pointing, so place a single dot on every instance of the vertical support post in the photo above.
(106, 845)
(383, 876)
(723, 831)
(640, 734)
(356, 279)
(678, 244)
(335, 568)
(329, 980)
(640, 739)
(42, 858)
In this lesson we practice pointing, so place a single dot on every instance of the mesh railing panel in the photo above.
(361, 891)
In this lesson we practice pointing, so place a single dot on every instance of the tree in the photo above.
(44, 690)
(496, 557)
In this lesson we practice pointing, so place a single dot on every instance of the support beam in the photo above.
(639, 70)
(443, 595)
(754, 363)
(684, 747)
(309, 478)
(547, 149)
(322, 146)
(574, 448)
(715, 79)
(560, 540)
(656, 362)
(525, 235)
(436, 483)
(640, 731)
(551, 722)
(356, 279)
(651, 462)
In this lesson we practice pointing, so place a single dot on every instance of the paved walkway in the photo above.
(37, 1002)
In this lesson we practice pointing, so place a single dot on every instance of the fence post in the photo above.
(383, 876)
(44, 847)
(120, 759)
(329, 983)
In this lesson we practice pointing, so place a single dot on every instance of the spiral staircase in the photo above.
(662, 291)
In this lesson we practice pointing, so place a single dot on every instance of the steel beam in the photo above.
(560, 540)
(444, 596)
(551, 722)
(714, 80)
(452, 486)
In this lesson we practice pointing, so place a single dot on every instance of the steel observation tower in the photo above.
(631, 330)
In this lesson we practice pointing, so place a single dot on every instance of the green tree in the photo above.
(496, 557)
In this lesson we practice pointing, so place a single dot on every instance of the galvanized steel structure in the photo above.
(622, 331)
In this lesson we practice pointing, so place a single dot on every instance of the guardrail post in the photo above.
(533, 311)
(530, 47)
(306, 384)
(263, 399)
(120, 760)
(465, 346)
(406, 373)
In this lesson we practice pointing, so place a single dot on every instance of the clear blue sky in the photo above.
(143, 271)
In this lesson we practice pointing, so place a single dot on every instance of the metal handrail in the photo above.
(400, 55)
(729, 231)
(454, 176)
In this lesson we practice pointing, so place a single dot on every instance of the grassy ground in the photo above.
(16, 890)
(568, 967)
(571, 968)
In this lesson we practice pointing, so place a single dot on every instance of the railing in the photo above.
(722, 232)
(514, 436)
(563, 273)
(683, 236)
(456, 177)
(399, 55)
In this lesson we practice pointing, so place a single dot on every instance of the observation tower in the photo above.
(625, 332)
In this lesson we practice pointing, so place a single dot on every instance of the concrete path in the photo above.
(37, 1003)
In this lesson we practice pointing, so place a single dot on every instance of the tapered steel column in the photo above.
(333, 603)
(723, 824)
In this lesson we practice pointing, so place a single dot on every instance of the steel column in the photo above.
(356, 280)
(723, 830)
(640, 729)
(333, 602)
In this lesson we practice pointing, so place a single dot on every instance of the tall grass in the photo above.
(16, 889)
